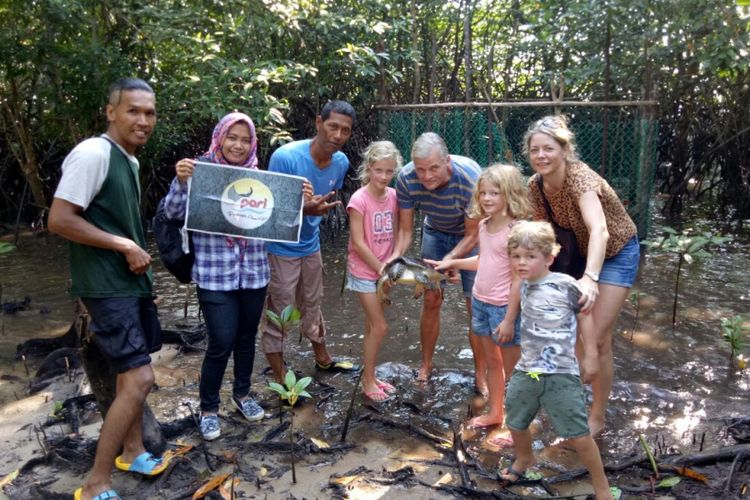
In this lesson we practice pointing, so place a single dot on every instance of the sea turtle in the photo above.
(408, 271)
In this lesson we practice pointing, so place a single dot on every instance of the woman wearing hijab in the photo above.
(232, 275)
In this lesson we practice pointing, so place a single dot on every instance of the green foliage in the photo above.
(686, 245)
(278, 61)
(57, 410)
(669, 482)
(734, 330)
(294, 389)
(288, 319)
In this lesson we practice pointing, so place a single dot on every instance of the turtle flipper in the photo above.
(381, 291)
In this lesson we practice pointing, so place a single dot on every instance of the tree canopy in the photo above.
(279, 60)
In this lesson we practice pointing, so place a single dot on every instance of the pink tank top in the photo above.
(492, 284)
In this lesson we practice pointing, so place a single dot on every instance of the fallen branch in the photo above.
(459, 453)
(423, 433)
(708, 457)
(739, 460)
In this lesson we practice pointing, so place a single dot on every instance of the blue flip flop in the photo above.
(145, 464)
(104, 495)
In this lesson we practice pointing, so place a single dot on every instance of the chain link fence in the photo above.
(618, 140)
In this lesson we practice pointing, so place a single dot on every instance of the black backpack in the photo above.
(169, 240)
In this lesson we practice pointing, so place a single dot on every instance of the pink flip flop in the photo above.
(385, 386)
(378, 396)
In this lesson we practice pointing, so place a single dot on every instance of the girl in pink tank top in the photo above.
(500, 200)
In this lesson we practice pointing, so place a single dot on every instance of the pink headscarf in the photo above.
(220, 132)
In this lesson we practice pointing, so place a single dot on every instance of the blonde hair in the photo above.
(555, 126)
(537, 235)
(509, 181)
(377, 151)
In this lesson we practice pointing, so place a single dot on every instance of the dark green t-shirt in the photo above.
(115, 208)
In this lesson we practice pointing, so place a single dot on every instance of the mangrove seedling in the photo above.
(288, 319)
(733, 330)
(687, 247)
(294, 390)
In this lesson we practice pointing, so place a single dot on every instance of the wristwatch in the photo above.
(594, 276)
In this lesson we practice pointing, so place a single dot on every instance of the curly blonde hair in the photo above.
(509, 181)
(377, 151)
(537, 235)
(555, 126)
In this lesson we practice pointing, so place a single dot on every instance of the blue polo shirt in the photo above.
(295, 159)
(445, 208)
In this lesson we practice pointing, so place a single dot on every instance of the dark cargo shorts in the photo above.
(126, 329)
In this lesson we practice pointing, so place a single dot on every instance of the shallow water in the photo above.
(672, 384)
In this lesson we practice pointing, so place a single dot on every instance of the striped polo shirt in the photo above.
(446, 208)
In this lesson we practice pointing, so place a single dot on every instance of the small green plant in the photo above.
(294, 390)
(733, 330)
(687, 247)
(288, 319)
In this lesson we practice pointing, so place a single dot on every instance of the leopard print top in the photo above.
(580, 179)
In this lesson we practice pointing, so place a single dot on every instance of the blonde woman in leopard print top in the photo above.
(583, 202)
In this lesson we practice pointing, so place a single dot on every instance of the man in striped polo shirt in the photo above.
(442, 186)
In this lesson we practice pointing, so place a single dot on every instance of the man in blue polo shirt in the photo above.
(297, 268)
(442, 186)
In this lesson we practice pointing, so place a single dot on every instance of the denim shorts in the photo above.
(360, 285)
(621, 269)
(486, 317)
(436, 244)
(126, 330)
(560, 394)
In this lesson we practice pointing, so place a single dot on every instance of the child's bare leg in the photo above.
(524, 455)
(495, 384)
(375, 331)
(511, 355)
(588, 452)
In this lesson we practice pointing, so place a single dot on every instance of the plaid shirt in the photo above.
(221, 263)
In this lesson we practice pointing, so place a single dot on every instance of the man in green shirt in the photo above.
(96, 207)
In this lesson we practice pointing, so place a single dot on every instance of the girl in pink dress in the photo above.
(373, 214)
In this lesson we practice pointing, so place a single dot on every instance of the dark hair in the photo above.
(123, 85)
(340, 107)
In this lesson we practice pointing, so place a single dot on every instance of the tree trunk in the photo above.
(607, 86)
(18, 132)
(103, 385)
(469, 94)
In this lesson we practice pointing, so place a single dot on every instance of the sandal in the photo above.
(511, 475)
(385, 386)
(145, 464)
(335, 366)
(104, 495)
(500, 441)
(474, 423)
(378, 396)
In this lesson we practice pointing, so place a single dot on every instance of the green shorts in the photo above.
(560, 394)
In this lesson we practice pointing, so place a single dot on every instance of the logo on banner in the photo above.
(247, 203)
